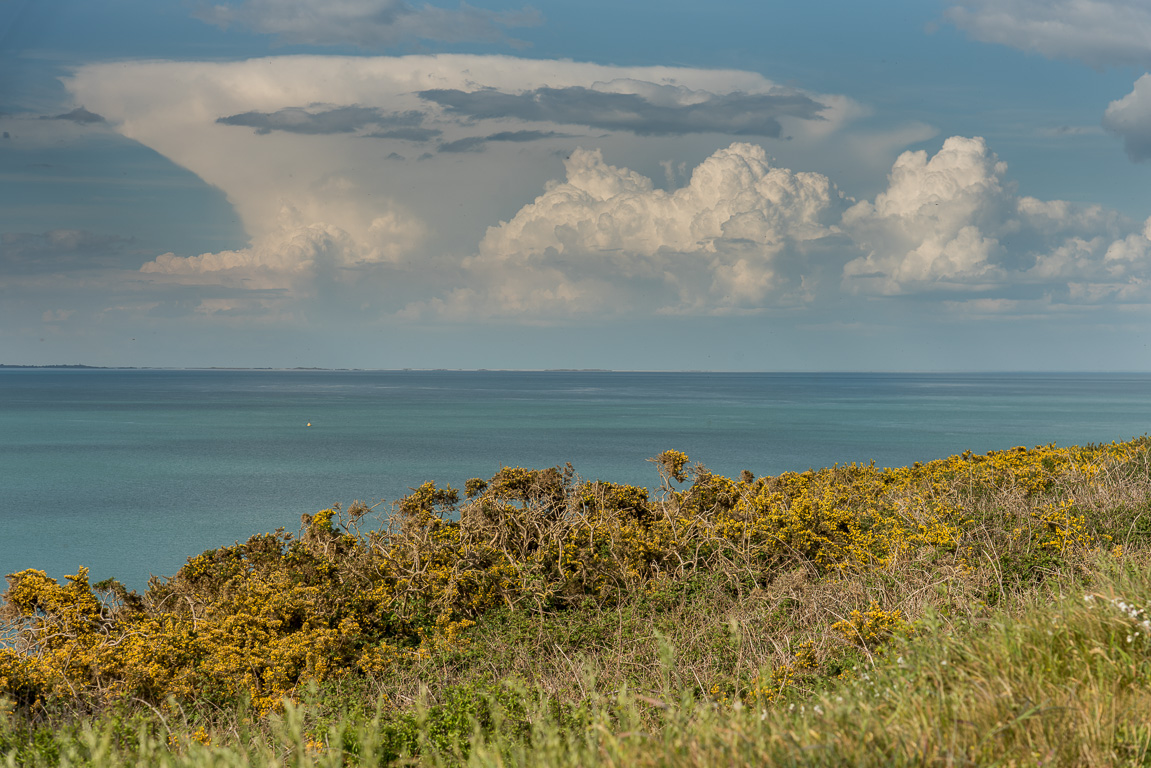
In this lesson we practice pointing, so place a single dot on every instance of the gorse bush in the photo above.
(1064, 683)
(260, 620)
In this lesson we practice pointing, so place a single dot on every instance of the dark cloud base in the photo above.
(477, 143)
(738, 114)
(78, 115)
(349, 119)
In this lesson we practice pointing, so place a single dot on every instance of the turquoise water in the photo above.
(130, 472)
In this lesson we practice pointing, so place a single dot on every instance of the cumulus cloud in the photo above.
(724, 242)
(1130, 256)
(1099, 33)
(734, 195)
(296, 249)
(649, 109)
(928, 227)
(1130, 119)
(291, 134)
(952, 222)
(327, 209)
(366, 23)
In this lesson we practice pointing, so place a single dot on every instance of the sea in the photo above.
(130, 472)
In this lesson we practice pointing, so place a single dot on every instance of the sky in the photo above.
(927, 185)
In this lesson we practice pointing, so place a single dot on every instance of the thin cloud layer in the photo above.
(652, 110)
(367, 23)
(1100, 33)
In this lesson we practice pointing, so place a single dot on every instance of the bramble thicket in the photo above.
(262, 620)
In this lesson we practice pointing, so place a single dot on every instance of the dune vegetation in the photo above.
(976, 610)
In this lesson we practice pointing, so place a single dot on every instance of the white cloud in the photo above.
(713, 245)
(366, 23)
(296, 248)
(324, 138)
(1131, 255)
(733, 195)
(310, 153)
(1099, 33)
(928, 228)
(1057, 216)
(953, 222)
(1130, 119)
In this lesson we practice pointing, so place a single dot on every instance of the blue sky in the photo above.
(960, 185)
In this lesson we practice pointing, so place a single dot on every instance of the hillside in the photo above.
(930, 614)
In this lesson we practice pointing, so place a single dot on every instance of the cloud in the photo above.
(366, 23)
(466, 144)
(1130, 119)
(928, 227)
(1099, 33)
(953, 223)
(734, 195)
(476, 143)
(326, 121)
(407, 134)
(1130, 256)
(79, 115)
(605, 239)
(297, 248)
(656, 110)
(283, 134)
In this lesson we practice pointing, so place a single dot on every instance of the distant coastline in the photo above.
(4, 365)
(73, 366)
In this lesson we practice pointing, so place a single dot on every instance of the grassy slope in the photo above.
(748, 656)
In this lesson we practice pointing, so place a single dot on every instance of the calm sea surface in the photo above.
(130, 472)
